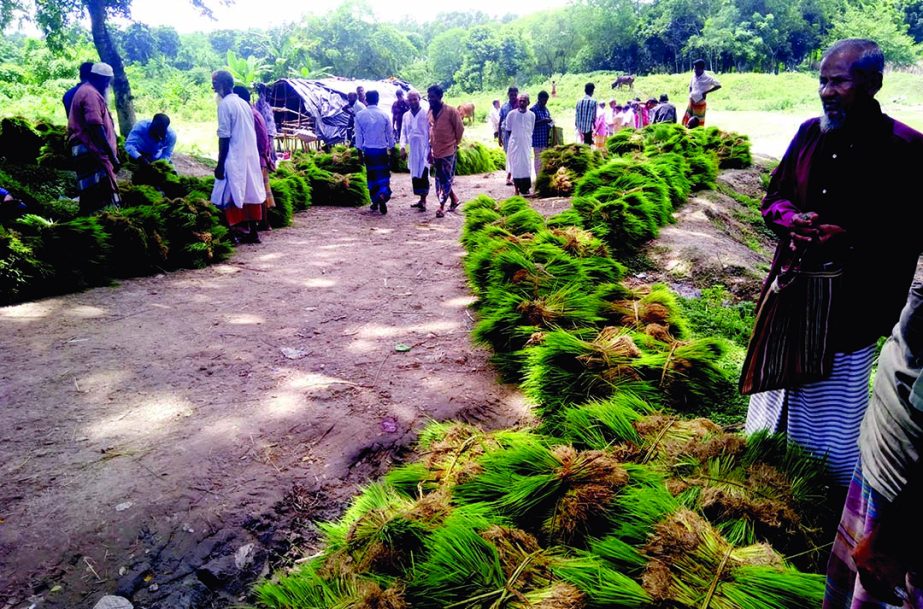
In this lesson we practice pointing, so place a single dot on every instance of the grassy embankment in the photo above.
(766, 107)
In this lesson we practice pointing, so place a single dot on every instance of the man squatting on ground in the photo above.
(415, 135)
(374, 140)
(238, 189)
(445, 134)
(151, 140)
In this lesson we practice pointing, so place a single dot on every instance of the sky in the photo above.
(243, 14)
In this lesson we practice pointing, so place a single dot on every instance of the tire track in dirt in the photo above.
(163, 437)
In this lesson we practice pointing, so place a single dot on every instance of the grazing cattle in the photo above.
(466, 111)
(627, 80)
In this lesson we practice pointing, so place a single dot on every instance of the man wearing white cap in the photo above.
(91, 134)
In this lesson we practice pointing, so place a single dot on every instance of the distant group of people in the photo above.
(432, 137)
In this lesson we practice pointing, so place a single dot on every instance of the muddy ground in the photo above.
(162, 437)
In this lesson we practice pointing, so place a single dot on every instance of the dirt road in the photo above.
(161, 437)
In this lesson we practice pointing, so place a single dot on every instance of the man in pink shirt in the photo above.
(91, 136)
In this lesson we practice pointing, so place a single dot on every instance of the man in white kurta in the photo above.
(415, 135)
(520, 123)
(239, 189)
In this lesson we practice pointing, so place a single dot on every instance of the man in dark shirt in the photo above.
(85, 68)
(844, 198)
(398, 109)
(664, 112)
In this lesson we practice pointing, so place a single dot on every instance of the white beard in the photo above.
(828, 124)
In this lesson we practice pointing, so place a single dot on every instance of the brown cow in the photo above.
(627, 80)
(466, 111)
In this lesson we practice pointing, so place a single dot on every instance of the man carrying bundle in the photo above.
(91, 134)
(374, 140)
(239, 189)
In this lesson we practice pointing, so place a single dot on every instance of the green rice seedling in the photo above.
(733, 151)
(77, 251)
(688, 373)
(411, 479)
(625, 142)
(475, 221)
(463, 569)
(563, 219)
(562, 166)
(663, 138)
(574, 240)
(330, 188)
(624, 178)
(310, 586)
(498, 157)
(474, 158)
(41, 188)
(194, 233)
(558, 595)
(522, 222)
(162, 176)
(510, 206)
(19, 142)
(616, 223)
(130, 254)
(301, 191)
(283, 212)
(691, 565)
(133, 196)
(602, 586)
(536, 269)
(341, 159)
(479, 262)
(703, 170)
(151, 219)
(478, 202)
(21, 272)
(558, 492)
(575, 367)
(54, 152)
(397, 164)
(604, 424)
(653, 309)
(674, 170)
(619, 554)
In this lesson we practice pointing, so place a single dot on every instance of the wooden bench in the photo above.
(297, 132)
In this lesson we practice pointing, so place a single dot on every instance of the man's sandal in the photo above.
(453, 206)
(440, 213)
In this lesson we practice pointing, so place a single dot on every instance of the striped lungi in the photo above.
(95, 182)
(860, 515)
(445, 176)
(378, 174)
(697, 110)
(822, 417)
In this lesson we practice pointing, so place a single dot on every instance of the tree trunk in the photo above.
(125, 109)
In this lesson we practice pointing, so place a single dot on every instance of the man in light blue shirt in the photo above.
(151, 140)
(375, 140)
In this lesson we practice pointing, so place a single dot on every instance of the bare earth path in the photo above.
(153, 432)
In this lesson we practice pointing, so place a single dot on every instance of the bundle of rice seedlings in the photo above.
(523, 222)
(19, 142)
(54, 151)
(349, 190)
(132, 252)
(578, 366)
(40, 187)
(654, 310)
(626, 179)
(734, 151)
(474, 157)
(558, 492)
(133, 196)
(664, 138)
(301, 191)
(688, 373)
(473, 561)
(283, 213)
(162, 176)
(666, 438)
(623, 229)
(21, 272)
(675, 170)
(633, 514)
(194, 233)
(558, 595)
(478, 263)
(562, 166)
(76, 252)
(703, 170)
(498, 157)
(691, 565)
(606, 424)
(510, 206)
(398, 165)
(535, 269)
(602, 586)
(310, 587)
(568, 217)
(341, 159)
(480, 201)
(476, 219)
(574, 240)
(625, 142)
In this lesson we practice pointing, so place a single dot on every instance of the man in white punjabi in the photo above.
(445, 134)
(374, 140)
(415, 135)
(519, 124)
(239, 189)
(842, 202)
(512, 95)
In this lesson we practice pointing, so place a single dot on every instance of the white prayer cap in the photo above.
(102, 69)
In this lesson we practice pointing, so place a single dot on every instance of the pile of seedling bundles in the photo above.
(618, 496)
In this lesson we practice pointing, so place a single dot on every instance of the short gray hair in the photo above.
(870, 59)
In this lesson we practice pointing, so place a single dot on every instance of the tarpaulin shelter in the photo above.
(317, 105)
